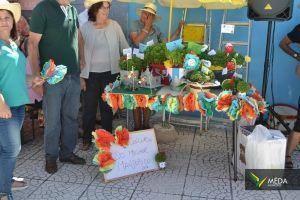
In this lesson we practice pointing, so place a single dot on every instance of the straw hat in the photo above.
(89, 3)
(150, 8)
(15, 8)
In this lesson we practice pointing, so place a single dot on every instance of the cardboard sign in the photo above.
(137, 157)
(227, 28)
(194, 33)
(142, 47)
(127, 51)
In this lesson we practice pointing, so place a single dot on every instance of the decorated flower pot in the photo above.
(165, 134)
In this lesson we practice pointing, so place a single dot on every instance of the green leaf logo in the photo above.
(256, 180)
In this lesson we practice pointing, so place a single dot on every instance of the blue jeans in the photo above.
(10, 146)
(61, 103)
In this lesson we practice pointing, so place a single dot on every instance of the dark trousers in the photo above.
(61, 104)
(95, 85)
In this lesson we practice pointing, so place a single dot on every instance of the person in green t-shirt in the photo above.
(13, 95)
(54, 35)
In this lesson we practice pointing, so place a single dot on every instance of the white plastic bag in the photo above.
(265, 149)
(242, 138)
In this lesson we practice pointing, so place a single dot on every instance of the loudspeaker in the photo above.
(270, 10)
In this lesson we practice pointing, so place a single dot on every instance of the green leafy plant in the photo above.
(156, 54)
(177, 56)
(239, 58)
(200, 77)
(221, 58)
(160, 157)
(135, 62)
(235, 84)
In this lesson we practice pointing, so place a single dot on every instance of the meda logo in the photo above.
(257, 180)
(277, 182)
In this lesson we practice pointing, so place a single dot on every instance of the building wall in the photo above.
(286, 85)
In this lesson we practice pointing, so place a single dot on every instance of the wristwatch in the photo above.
(295, 55)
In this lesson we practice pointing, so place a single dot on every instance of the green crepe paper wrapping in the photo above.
(172, 105)
(129, 101)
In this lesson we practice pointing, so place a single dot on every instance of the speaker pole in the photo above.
(267, 61)
(266, 78)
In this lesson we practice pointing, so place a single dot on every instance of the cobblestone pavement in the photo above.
(198, 167)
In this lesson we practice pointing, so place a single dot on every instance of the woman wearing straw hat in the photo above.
(142, 31)
(103, 41)
(12, 101)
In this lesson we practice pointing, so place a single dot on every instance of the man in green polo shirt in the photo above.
(54, 35)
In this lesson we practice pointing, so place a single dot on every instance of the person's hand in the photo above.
(82, 84)
(149, 22)
(181, 24)
(5, 112)
(37, 81)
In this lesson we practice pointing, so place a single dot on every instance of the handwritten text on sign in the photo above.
(138, 157)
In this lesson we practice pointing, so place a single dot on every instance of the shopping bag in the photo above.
(242, 138)
(265, 149)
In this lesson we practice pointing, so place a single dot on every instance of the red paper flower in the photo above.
(103, 140)
(105, 159)
(224, 102)
(256, 96)
(190, 102)
(230, 66)
(229, 48)
(141, 100)
(151, 100)
(120, 101)
(122, 137)
(181, 104)
(113, 99)
(247, 111)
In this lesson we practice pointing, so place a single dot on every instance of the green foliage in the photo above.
(204, 56)
(221, 58)
(236, 84)
(199, 76)
(156, 54)
(136, 62)
(239, 58)
(176, 56)
(160, 157)
(227, 84)
(243, 87)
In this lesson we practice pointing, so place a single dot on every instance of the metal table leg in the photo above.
(234, 135)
